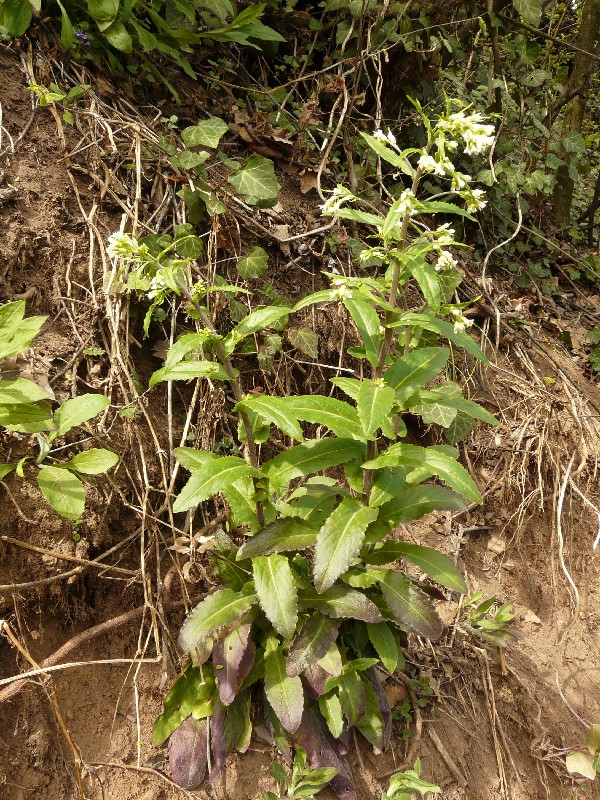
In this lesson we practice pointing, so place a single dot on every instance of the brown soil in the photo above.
(505, 724)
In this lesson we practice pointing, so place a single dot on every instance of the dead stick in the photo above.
(458, 776)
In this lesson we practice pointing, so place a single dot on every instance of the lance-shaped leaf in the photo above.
(218, 740)
(371, 724)
(386, 485)
(413, 502)
(275, 410)
(187, 370)
(341, 418)
(331, 709)
(339, 541)
(428, 280)
(369, 327)
(384, 642)
(314, 679)
(284, 693)
(456, 402)
(414, 370)
(218, 609)
(312, 736)
(285, 534)
(256, 321)
(233, 658)
(312, 643)
(21, 391)
(446, 329)
(240, 711)
(430, 458)
(384, 706)
(310, 457)
(211, 478)
(94, 461)
(342, 602)
(374, 403)
(189, 690)
(352, 697)
(410, 606)
(188, 753)
(432, 562)
(277, 592)
(79, 410)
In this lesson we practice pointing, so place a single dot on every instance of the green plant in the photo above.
(54, 94)
(403, 785)
(489, 621)
(586, 763)
(309, 604)
(25, 408)
(304, 782)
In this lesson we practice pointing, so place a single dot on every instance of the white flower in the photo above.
(379, 134)
(336, 200)
(406, 203)
(461, 323)
(460, 181)
(474, 200)
(340, 293)
(445, 261)
(477, 136)
(388, 137)
(428, 163)
(444, 235)
(123, 245)
(157, 287)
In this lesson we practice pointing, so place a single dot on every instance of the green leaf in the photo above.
(331, 709)
(312, 643)
(384, 642)
(352, 696)
(63, 490)
(389, 155)
(94, 461)
(341, 418)
(286, 534)
(432, 562)
(193, 459)
(592, 740)
(339, 541)
(16, 333)
(305, 340)
(256, 181)
(409, 605)
(350, 386)
(187, 244)
(371, 725)
(117, 35)
(254, 265)
(442, 398)
(459, 428)
(17, 16)
(530, 10)
(26, 417)
(67, 32)
(581, 764)
(438, 207)
(342, 602)
(428, 280)
(21, 390)
(79, 410)
(188, 370)
(369, 327)
(413, 502)
(411, 372)
(213, 477)
(256, 321)
(277, 592)
(432, 458)
(103, 12)
(386, 485)
(189, 690)
(273, 410)
(310, 457)
(443, 328)
(184, 345)
(284, 692)
(223, 607)
(374, 404)
(6, 469)
(188, 160)
(207, 133)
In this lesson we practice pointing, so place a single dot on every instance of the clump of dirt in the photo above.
(493, 726)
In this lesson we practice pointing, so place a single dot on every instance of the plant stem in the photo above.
(235, 385)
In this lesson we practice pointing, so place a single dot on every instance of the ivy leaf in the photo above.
(432, 562)
(79, 410)
(188, 753)
(254, 265)
(339, 540)
(188, 160)
(284, 693)
(218, 609)
(374, 403)
(342, 602)
(213, 477)
(384, 642)
(434, 459)
(530, 10)
(94, 461)
(256, 181)
(305, 340)
(459, 428)
(312, 643)
(287, 534)
(187, 244)
(207, 133)
(277, 592)
(63, 490)
(310, 457)
(410, 605)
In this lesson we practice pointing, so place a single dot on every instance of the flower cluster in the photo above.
(445, 261)
(461, 323)
(338, 198)
(341, 289)
(438, 166)
(406, 203)
(474, 200)
(476, 136)
(126, 247)
(388, 137)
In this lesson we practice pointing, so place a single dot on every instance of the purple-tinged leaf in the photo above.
(321, 752)
(188, 753)
(342, 602)
(343, 743)
(410, 605)
(284, 693)
(218, 740)
(238, 726)
(352, 697)
(314, 679)
(384, 706)
(233, 658)
(312, 643)
(218, 609)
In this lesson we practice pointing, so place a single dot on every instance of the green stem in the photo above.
(235, 385)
